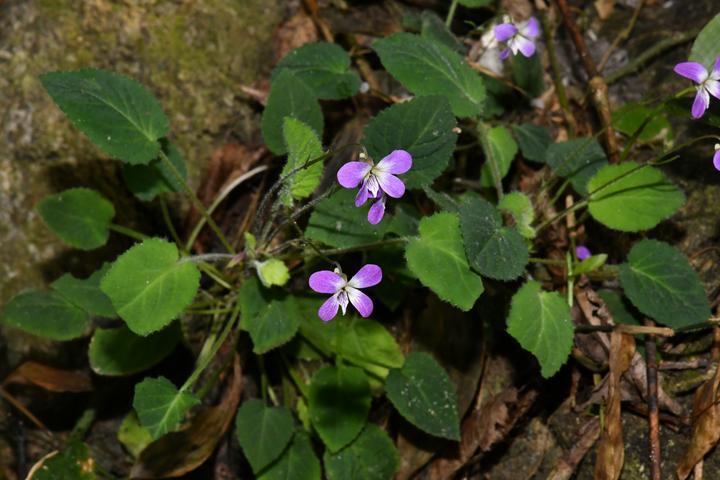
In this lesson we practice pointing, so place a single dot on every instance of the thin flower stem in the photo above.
(622, 36)
(451, 13)
(562, 214)
(197, 203)
(263, 377)
(357, 248)
(547, 261)
(549, 34)
(207, 257)
(294, 216)
(482, 130)
(128, 232)
(218, 200)
(265, 204)
(214, 274)
(169, 224)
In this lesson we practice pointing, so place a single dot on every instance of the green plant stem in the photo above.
(215, 342)
(561, 215)
(650, 53)
(263, 377)
(295, 377)
(482, 130)
(547, 261)
(197, 203)
(128, 232)
(451, 13)
(214, 274)
(218, 200)
(207, 257)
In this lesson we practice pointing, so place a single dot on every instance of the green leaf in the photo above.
(423, 127)
(533, 141)
(116, 113)
(630, 197)
(577, 160)
(475, 3)
(339, 400)
(361, 341)
(79, 216)
(371, 456)
(519, 206)
(591, 263)
(323, 68)
(160, 406)
(118, 351)
(272, 272)
(133, 436)
(438, 259)
(423, 393)
(298, 462)
(619, 310)
(86, 293)
(542, 324)
(302, 145)
(336, 222)
(74, 462)
(705, 48)
(149, 181)
(443, 71)
(433, 28)
(276, 325)
(263, 432)
(628, 118)
(504, 150)
(289, 97)
(45, 314)
(662, 284)
(149, 287)
(493, 250)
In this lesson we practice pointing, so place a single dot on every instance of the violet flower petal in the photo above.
(692, 70)
(701, 103)
(526, 47)
(713, 87)
(397, 162)
(716, 160)
(716, 68)
(391, 184)
(377, 211)
(505, 54)
(368, 276)
(362, 196)
(582, 252)
(504, 31)
(326, 281)
(531, 28)
(352, 173)
(362, 302)
(328, 309)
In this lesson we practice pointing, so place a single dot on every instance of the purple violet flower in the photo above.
(582, 252)
(518, 37)
(716, 157)
(376, 181)
(344, 291)
(708, 84)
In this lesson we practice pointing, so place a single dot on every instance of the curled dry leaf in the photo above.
(611, 451)
(178, 453)
(49, 378)
(706, 428)
(596, 345)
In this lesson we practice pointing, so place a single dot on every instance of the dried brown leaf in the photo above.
(611, 451)
(49, 378)
(604, 8)
(297, 31)
(706, 427)
(585, 439)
